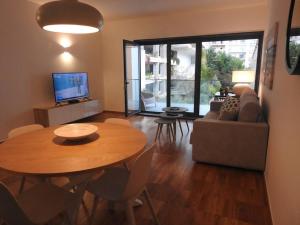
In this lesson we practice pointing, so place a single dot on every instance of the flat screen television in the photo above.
(70, 86)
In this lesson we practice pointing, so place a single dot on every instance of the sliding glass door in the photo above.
(190, 71)
(132, 77)
(182, 90)
(154, 77)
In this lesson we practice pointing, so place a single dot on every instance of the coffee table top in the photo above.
(42, 153)
(175, 109)
(168, 115)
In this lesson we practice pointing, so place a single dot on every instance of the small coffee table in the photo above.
(173, 117)
(160, 123)
(177, 110)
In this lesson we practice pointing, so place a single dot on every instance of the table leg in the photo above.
(157, 131)
(187, 124)
(160, 129)
(174, 127)
(172, 132)
(180, 126)
(168, 131)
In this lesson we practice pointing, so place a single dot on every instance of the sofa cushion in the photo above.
(212, 115)
(229, 109)
(250, 110)
(240, 88)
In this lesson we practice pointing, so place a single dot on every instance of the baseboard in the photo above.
(268, 202)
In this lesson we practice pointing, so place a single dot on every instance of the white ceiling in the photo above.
(130, 8)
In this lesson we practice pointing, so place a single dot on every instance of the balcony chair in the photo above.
(148, 100)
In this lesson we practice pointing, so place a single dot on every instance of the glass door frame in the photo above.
(198, 40)
(125, 44)
(168, 89)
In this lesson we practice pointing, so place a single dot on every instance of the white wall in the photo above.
(169, 25)
(28, 57)
(283, 107)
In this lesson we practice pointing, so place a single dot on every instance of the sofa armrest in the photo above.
(215, 105)
(232, 143)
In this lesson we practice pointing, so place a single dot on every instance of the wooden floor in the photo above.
(185, 192)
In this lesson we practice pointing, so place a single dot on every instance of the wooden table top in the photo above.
(42, 153)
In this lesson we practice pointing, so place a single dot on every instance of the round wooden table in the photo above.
(42, 153)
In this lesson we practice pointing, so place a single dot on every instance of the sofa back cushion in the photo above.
(229, 109)
(250, 110)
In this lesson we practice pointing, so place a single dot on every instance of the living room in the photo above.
(30, 55)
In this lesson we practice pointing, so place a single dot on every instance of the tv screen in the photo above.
(70, 86)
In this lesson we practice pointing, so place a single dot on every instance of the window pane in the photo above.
(154, 77)
(183, 75)
(221, 66)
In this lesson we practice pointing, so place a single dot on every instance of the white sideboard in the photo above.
(55, 115)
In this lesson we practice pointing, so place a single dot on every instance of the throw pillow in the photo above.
(229, 109)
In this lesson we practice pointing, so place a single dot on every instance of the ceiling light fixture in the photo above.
(69, 16)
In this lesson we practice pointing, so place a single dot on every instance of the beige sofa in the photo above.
(241, 143)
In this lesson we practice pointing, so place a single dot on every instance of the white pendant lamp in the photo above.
(69, 16)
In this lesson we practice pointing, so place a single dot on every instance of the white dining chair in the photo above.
(24, 129)
(121, 185)
(19, 131)
(39, 205)
(118, 121)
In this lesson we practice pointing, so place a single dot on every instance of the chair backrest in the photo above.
(118, 121)
(10, 211)
(139, 173)
(25, 129)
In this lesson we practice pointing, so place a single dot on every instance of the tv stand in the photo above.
(73, 101)
(66, 113)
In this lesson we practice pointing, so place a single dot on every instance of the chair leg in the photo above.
(111, 206)
(22, 185)
(73, 210)
(95, 204)
(149, 202)
(130, 213)
(66, 220)
(85, 208)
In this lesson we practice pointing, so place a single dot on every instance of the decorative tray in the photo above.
(76, 131)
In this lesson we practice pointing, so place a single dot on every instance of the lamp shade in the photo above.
(243, 76)
(69, 16)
